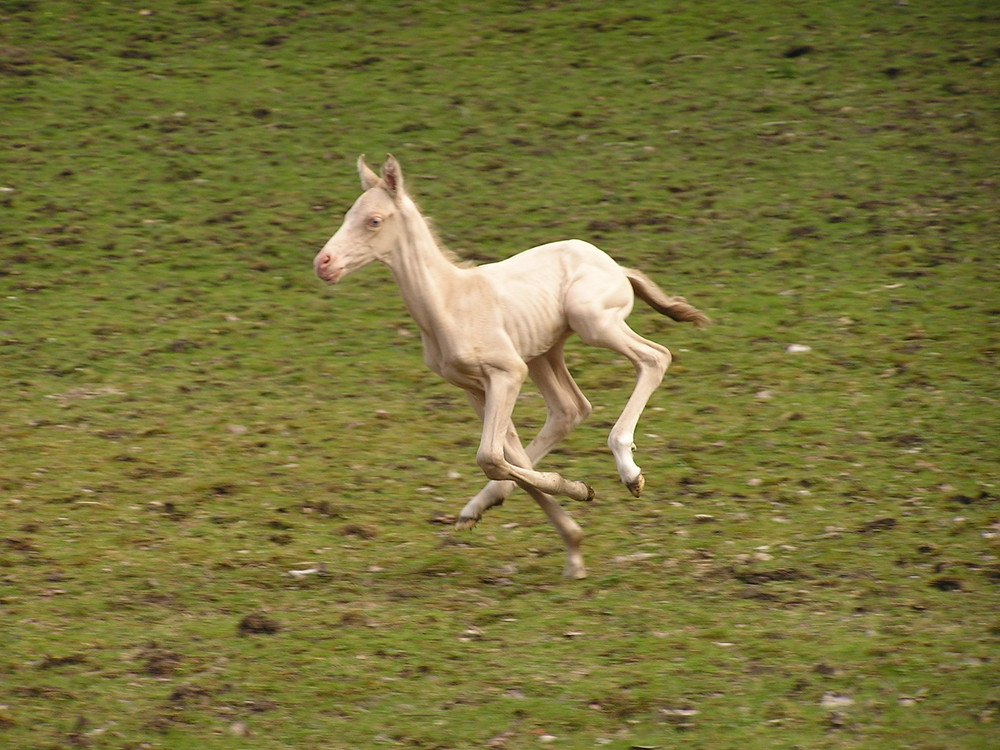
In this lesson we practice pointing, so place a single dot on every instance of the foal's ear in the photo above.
(368, 177)
(392, 176)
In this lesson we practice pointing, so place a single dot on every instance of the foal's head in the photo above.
(371, 227)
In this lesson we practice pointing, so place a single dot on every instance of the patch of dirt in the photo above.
(181, 699)
(19, 545)
(360, 531)
(322, 508)
(53, 662)
(159, 662)
(258, 623)
(879, 524)
(354, 619)
(799, 50)
(946, 583)
(757, 577)
(992, 573)
(982, 497)
(190, 694)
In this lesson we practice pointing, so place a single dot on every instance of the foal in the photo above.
(487, 328)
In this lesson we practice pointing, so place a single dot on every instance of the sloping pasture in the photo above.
(225, 489)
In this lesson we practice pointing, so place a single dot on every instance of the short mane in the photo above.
(452, 257)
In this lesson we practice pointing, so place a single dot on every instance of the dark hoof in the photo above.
(636, 485)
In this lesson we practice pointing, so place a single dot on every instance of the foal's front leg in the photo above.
(498, 406)
(567, 407)
(568, 529)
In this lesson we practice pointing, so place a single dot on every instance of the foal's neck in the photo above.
(424, 271)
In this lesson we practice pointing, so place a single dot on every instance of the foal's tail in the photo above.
(673, 307)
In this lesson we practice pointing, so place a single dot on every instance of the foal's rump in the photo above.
(595, 279)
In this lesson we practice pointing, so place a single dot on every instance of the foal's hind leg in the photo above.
(569, 530)
(651, 360)
(567, 408)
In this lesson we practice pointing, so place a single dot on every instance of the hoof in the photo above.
(590, 496)
(464, 523)
(575, 572)
(636, 485)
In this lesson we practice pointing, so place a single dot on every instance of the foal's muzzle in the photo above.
(326, 269)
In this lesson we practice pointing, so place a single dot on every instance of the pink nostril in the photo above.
(325, 260)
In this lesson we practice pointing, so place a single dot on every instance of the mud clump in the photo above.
(258, 623)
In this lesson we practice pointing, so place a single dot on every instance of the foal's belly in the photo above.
(507, 347)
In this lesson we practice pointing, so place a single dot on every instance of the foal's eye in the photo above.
(374, 222)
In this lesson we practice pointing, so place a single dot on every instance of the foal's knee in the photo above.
(493, 466)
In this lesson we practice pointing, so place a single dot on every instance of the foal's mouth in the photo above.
(331, 276)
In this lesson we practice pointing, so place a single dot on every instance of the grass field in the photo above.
(188, 415)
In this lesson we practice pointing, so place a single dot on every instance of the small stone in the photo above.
(835, 700)
(471, 634)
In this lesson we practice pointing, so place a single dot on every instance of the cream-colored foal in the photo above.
(487, 328)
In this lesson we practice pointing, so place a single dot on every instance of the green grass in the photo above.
(188, 414)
